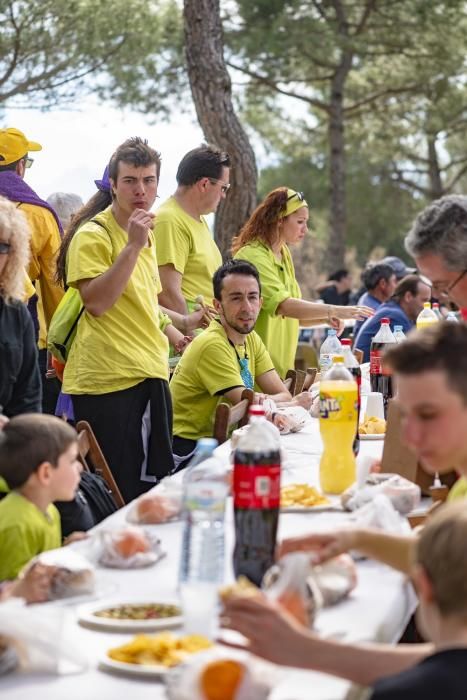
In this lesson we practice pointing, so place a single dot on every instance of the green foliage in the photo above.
(53, 50)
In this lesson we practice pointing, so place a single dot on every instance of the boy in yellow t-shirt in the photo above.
(38, 460)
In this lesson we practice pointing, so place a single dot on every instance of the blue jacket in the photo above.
(397, 317)
(366, 299)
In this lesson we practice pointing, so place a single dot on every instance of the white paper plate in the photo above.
(142, 670)
(311, 509)
(378, 436)
(88, 618)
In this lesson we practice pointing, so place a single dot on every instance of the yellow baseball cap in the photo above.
(14, 145)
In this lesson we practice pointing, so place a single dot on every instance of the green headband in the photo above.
(295, 200)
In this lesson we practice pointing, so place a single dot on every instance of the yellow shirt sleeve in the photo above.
(172, 243)
(164, 320)
(45, 243)
(89, 255)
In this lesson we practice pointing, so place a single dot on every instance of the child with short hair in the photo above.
(440, 577)
(38, 460)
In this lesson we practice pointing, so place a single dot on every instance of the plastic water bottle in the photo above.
(426, 317)
(204, 449)
(205, 489)
(452, 317)
(329, 348)
(399, 334)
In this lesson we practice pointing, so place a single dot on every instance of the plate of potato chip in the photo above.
(372, 428)
(296, 498)
(153, 655)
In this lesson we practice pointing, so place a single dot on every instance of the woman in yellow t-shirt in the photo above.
(278, 222)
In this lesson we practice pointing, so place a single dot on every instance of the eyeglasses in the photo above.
(4, 248)
(225, 187)
(440, 287)
(299, 195)
(28, 162)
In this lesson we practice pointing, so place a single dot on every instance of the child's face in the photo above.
(66, 476)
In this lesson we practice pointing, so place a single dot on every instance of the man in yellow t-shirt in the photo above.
(117, 369)
(223, 360)
(186, 252)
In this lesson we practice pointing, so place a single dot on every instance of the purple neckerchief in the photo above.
(13, 187)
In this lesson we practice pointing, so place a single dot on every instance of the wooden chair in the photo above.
(358, 354)
(310, 377)
(227, 416)
(305, 356)
(92, 459)
(290, 381)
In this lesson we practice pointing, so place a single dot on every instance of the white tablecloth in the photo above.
(378, 609)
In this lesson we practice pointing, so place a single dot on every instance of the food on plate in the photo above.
(160, 650)
(154, 508)
(220, 679)
(130, 541)
(146, 611)
(242, 588)
(302, 495)
(372, 426)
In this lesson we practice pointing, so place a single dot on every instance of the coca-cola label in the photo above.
(376, 363)
(257, 486)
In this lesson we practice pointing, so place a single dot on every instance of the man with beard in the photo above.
(224, 360)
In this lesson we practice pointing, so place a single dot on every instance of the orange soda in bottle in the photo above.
(338, 399)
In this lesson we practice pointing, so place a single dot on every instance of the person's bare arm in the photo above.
(186, 323)
(393, 550)
(273, 387)
(311, 311)
(100, 293)
(171, 295)
(276, 636)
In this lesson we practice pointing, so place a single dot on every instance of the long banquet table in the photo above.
(378, 609)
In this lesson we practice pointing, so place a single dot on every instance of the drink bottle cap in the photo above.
(332, 331)
(346, 342)
(385, 320)
(397, 328)
(256, 410)
(426, 305)
(337, 358)
(435, 305)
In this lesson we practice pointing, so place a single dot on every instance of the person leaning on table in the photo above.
(278, 222)
(227, 357)
(431, 371)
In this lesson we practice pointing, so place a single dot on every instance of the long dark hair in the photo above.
(98, 202)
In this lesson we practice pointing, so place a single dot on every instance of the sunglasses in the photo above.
(28, 162)
(225, 187)
(299, 195)
(4, 248)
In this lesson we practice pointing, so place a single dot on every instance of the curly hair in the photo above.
(14, 229)
(262, 224)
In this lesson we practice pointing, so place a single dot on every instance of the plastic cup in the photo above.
(374, 405)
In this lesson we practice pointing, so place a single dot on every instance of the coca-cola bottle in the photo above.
(351, 363)
(380, 376)
(256, 496)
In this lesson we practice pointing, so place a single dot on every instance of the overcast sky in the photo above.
(77, 145)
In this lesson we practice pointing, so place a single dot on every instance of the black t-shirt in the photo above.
(442, 676)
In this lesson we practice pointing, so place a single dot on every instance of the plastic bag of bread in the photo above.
(161, 504)
(335, 579)
(303, 587)
(74, 574)
(403, 494)
(35, 638)
(129, 547)
(289, 583)
(221, 674)
(288, 419)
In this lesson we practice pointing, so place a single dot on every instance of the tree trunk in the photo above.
(434, 170)
(212, 95)
(337, 197)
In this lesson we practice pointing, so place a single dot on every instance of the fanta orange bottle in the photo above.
(338, 399)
